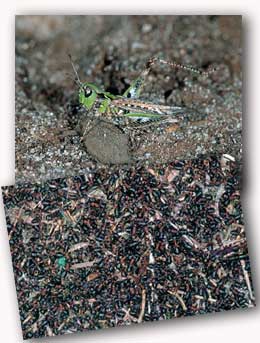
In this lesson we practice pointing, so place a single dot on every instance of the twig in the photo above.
(243, 264)
(86, 264)
(180, 299)
(129, 316)
(141, 315)
(78, 246)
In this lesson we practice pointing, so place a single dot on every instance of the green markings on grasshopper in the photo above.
(104, 107)
(90, 96)
(134, 91)
(87, 98)
(143, 115)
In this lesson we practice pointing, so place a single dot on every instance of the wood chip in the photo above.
(86, 264)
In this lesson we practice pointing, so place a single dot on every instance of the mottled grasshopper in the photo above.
(128, 105)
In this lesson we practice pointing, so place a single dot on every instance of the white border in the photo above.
(237, 326)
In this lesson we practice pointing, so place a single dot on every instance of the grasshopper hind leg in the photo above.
(135, 88)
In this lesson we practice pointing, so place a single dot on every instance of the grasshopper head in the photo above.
(87, 95)
(87, 91)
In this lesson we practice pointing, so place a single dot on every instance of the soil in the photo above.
(107, 144)
(111, 51)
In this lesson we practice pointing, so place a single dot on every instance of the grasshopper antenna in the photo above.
(180, 66)
(71, 77)
(77, 80)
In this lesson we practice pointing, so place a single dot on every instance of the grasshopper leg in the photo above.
(137, 85)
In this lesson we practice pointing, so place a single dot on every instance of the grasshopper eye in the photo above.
(87, 96)
(87, 92)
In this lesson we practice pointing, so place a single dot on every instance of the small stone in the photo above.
(62, 262)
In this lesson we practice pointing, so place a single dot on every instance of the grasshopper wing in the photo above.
(148, 111)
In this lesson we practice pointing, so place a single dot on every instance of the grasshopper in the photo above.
(129, 106)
